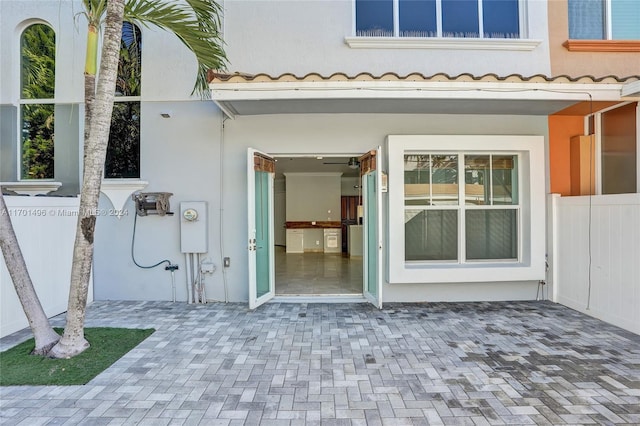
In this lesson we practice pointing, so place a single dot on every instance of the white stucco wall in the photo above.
(191, 156)
(177, 154)
(185, 159)
(324, 133)
(15, 16)
(304, 36)
(182, 156)
(45, 228)
(168, 71)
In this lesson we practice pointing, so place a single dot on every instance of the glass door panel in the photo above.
(372, 226)
(260, 174)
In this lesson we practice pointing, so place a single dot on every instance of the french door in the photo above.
(372, 226)
(260, 176)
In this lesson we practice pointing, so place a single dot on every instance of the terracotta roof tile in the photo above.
(219, 77)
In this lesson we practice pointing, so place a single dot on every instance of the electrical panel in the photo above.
(193, 227)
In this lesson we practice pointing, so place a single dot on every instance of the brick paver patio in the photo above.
(286, 364)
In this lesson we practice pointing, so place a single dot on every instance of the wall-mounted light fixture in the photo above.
(165, 114)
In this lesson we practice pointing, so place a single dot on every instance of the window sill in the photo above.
(441, 43)
(602, 45)
(31, 187)
(118, 191)
(456, 273)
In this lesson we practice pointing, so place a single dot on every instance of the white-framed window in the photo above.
(501, 19)
(461, 207)
(36, 128)
(604, 19)
(466, 208)
(123, 151)
(617, 142)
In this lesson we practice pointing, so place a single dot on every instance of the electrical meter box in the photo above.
(193, 227)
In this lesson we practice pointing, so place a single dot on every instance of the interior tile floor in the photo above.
(316, 274)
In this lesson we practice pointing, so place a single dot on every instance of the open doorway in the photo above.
(261, 173)
(318, 232)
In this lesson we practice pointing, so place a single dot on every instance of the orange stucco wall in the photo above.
(575, 64)
(561, 129)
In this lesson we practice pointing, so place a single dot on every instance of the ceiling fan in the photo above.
(353, 163)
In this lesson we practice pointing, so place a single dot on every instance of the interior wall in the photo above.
(279, 212)
(312, 197)
(348, 186)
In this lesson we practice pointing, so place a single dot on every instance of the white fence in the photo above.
(45, 227)
(596, 256)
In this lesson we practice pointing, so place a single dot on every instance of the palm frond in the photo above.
(196, 23)
(95, 10)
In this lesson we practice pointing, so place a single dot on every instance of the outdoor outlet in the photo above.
(207, 267)
(227, 262)
(317, 242)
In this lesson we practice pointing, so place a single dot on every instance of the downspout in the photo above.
(221, 200)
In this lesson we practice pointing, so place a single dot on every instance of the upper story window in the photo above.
(123, 151)
(439, 18)
(604, 19)
(37, 104)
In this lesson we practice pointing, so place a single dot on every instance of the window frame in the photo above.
(593, 125)
(119, 98)
(530, 264)
(22, 101)
(522, 24)
(607, 23)
(462, 207)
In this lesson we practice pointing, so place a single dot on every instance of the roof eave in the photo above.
(226, 90)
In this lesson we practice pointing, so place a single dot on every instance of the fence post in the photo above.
(552, 246)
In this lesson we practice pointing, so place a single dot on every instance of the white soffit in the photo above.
(240, 94)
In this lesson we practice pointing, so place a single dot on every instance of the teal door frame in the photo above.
(260, 176)
(372, 229)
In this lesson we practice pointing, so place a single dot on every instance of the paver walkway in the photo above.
(443, 363)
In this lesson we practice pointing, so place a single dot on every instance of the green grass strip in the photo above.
(18, 367)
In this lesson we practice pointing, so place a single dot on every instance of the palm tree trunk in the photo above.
(73, 341)
(91, 63)
(43, 334)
